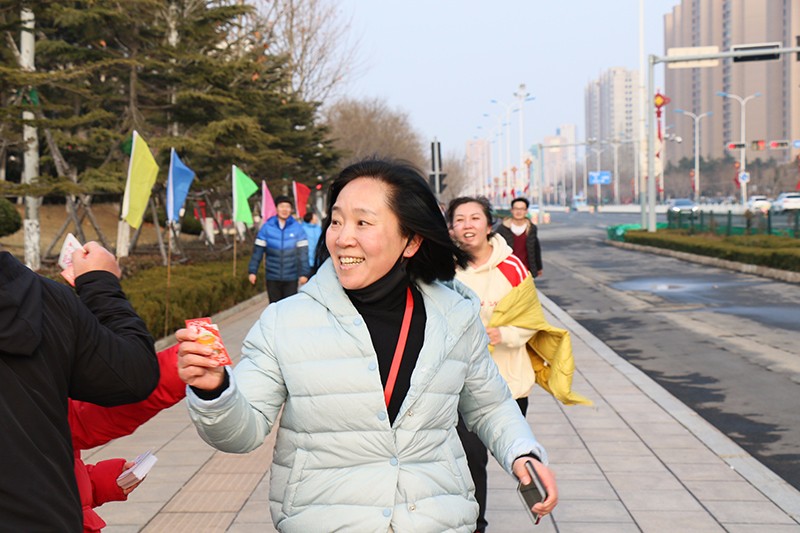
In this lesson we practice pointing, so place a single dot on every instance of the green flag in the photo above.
(243, 188)
(142, 172)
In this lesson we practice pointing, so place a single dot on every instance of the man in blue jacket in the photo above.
(286, 246)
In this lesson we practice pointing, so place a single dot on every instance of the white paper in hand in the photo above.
(71, 244)
(136, 473)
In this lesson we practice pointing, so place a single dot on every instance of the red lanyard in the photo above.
(401, 347)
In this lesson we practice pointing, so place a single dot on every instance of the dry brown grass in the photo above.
(52, 217)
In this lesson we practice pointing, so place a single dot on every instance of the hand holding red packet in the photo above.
(209, 335)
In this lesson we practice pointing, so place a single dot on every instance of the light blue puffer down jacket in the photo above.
(338, 464)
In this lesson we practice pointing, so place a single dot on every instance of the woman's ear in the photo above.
(412, 246)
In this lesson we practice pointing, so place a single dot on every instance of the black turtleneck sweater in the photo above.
(382, 305)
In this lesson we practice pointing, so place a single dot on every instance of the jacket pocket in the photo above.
(460, 471)
(295, 478)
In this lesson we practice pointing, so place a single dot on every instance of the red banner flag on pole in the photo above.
(301, 194)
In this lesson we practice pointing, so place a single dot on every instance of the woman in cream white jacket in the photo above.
(492, 272)
(371, 362)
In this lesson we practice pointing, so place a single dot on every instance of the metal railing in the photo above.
(750, 223)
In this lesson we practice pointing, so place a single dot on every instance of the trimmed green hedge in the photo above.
(763, 250)
(195, 291)
(10, 221)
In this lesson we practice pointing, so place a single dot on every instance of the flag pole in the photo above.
(169, 265)
(233, 185)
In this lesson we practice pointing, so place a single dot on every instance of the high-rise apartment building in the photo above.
(611, 110)
(478, 166)
(774, 115)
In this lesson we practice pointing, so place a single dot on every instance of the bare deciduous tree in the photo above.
(363, 128)
(314, 36)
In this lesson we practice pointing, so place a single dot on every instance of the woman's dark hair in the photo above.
(413, 202)
(461, 200)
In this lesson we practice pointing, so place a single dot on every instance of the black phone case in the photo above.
(532, 493)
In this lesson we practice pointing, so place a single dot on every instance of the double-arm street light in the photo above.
(696, 118)
(522, 96)
(742, 122)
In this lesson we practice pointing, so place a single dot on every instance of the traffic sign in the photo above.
(744, 177)
(796, 144)
(767, 48)
(693, 51)
(602, 177)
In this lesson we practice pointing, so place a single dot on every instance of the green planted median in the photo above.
(772, 251)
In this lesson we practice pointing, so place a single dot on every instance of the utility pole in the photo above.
(30, 138)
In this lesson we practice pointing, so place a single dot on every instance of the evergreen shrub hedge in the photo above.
(10, 221)
(763, 250)
(195, 291)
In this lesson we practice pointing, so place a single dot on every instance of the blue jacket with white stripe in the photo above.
(286, 249)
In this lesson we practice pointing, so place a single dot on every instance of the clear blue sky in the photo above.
(442, 61)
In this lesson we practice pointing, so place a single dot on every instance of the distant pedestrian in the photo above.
(366, 370)
(284, 242)
(54, 346)
(313, 231)
(512, 317)
(522, 236)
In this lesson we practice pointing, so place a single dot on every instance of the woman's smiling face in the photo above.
(470, 227)
(364, 237)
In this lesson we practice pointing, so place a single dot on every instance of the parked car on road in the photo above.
(682, 205)
(758, 202)
(787, 201)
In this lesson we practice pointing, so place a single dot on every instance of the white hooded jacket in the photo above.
(491, 281)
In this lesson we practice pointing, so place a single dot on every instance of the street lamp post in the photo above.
(743, 151)
(506, 170)
(597, 152)
(696, 118)
(522, 97)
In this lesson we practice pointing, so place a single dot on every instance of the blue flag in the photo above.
(178, 182)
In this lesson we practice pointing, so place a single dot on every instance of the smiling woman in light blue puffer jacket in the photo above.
(371, 363)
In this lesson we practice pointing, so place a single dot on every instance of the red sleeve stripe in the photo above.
(513, 269)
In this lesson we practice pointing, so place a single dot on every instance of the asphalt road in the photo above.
(724, 343)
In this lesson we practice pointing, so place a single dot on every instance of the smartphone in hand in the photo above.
(532, 493)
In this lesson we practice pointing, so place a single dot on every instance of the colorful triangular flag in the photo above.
(142, 172)
(301, 194)
(179, 180)
(267, 203)
(243, 188)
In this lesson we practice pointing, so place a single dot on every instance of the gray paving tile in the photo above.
(679, 500)
(190, 523)
(669, 521)
(591, 511)
(759, 512)
(701, 472)
(569, 489)
(627, 481)
(762, 528)
(631, 463)
(698, 454)
(739, 491)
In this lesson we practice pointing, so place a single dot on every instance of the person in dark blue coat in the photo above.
(286, 247)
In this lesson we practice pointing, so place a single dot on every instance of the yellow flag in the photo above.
(142, 172)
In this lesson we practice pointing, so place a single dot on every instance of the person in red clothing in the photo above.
(522, 236)
(93, 425)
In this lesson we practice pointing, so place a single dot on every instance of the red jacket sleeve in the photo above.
(93, 425)
(104, 481)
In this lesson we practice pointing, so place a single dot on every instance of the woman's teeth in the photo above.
(351, 260)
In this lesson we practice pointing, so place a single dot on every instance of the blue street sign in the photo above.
(744, 177)
(796, 144)
(602, 177)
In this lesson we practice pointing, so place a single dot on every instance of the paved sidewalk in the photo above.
(638, 460)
